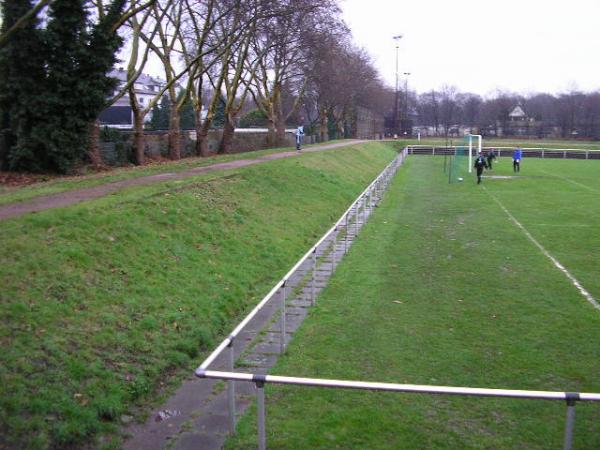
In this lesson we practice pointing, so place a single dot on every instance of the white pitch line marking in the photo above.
(576, 183)
(567, 225)
(558, 265)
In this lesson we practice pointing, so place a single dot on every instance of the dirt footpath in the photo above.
(62, 199)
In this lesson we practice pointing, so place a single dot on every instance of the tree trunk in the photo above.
(202, 138)
(94, 145)
(174, 134)
(139, 141)
(202, 142)
(341, 130)
(227, 139)
(271, 135)
(323, 124)
(280, 132)
(3, 149)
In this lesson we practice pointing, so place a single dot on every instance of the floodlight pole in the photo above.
(405, 105)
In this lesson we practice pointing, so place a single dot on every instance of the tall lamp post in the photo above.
(396, 128)
(405, 105)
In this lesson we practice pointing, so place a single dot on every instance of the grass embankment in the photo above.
(442, 288)
(57, 184)
(105, 301)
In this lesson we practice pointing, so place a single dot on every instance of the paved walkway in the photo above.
(67, 198)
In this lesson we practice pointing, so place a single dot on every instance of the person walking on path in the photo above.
(480, 164)
(517, 155)
(491, 156)
(299, 136)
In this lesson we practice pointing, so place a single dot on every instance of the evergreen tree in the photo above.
(188, 118)
(21, 71)
(160, 114)
(152, 124)
(254, 118)
(332, 130)
(219, 117)
(65, 90)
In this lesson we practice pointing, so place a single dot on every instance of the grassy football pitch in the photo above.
(445, 286)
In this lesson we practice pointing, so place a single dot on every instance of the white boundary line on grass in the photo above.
(576, 183)
(558, 265)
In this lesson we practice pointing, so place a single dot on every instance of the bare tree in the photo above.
(327, 72)
(200, 54)
(591, 116)
(569, 111)
(168, 18)
(142, 27)
(448, 107)
(280, 44)
(238, 68)
(429, 109)
(498, 109)
(470, 106)
(220, 38)
(99, 6)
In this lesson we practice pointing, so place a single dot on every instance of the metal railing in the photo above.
(529, 152)
(323, 252)
(571, 398)
(350, 222)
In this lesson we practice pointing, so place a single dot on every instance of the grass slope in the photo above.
(104, 302)
(479, 305)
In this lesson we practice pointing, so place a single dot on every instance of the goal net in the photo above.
(465, 152)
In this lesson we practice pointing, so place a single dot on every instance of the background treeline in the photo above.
(269, 63)
(289, 61)
(567, 115)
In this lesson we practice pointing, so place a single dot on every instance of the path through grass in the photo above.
(57, 184)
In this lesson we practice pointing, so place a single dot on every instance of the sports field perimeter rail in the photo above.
(528, 152)
(378, 185)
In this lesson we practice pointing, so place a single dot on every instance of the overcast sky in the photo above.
(478, 46)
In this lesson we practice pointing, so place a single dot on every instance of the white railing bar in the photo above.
(335, 225)
(216, 352)
(550, 149)
(395, 387)
(386, 175)
(229, 339)
(440, 146)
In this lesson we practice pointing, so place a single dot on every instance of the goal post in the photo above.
(461, 161)
(470, 137)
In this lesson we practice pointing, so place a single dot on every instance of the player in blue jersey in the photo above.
(517, 156)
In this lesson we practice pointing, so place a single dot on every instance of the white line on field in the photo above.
(560, 225)
(560, 267)
(576, 183)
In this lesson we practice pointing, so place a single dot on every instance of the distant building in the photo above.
(519, 124)
(120, 115)
(517, 114)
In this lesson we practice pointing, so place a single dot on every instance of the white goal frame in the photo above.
(479, 139)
